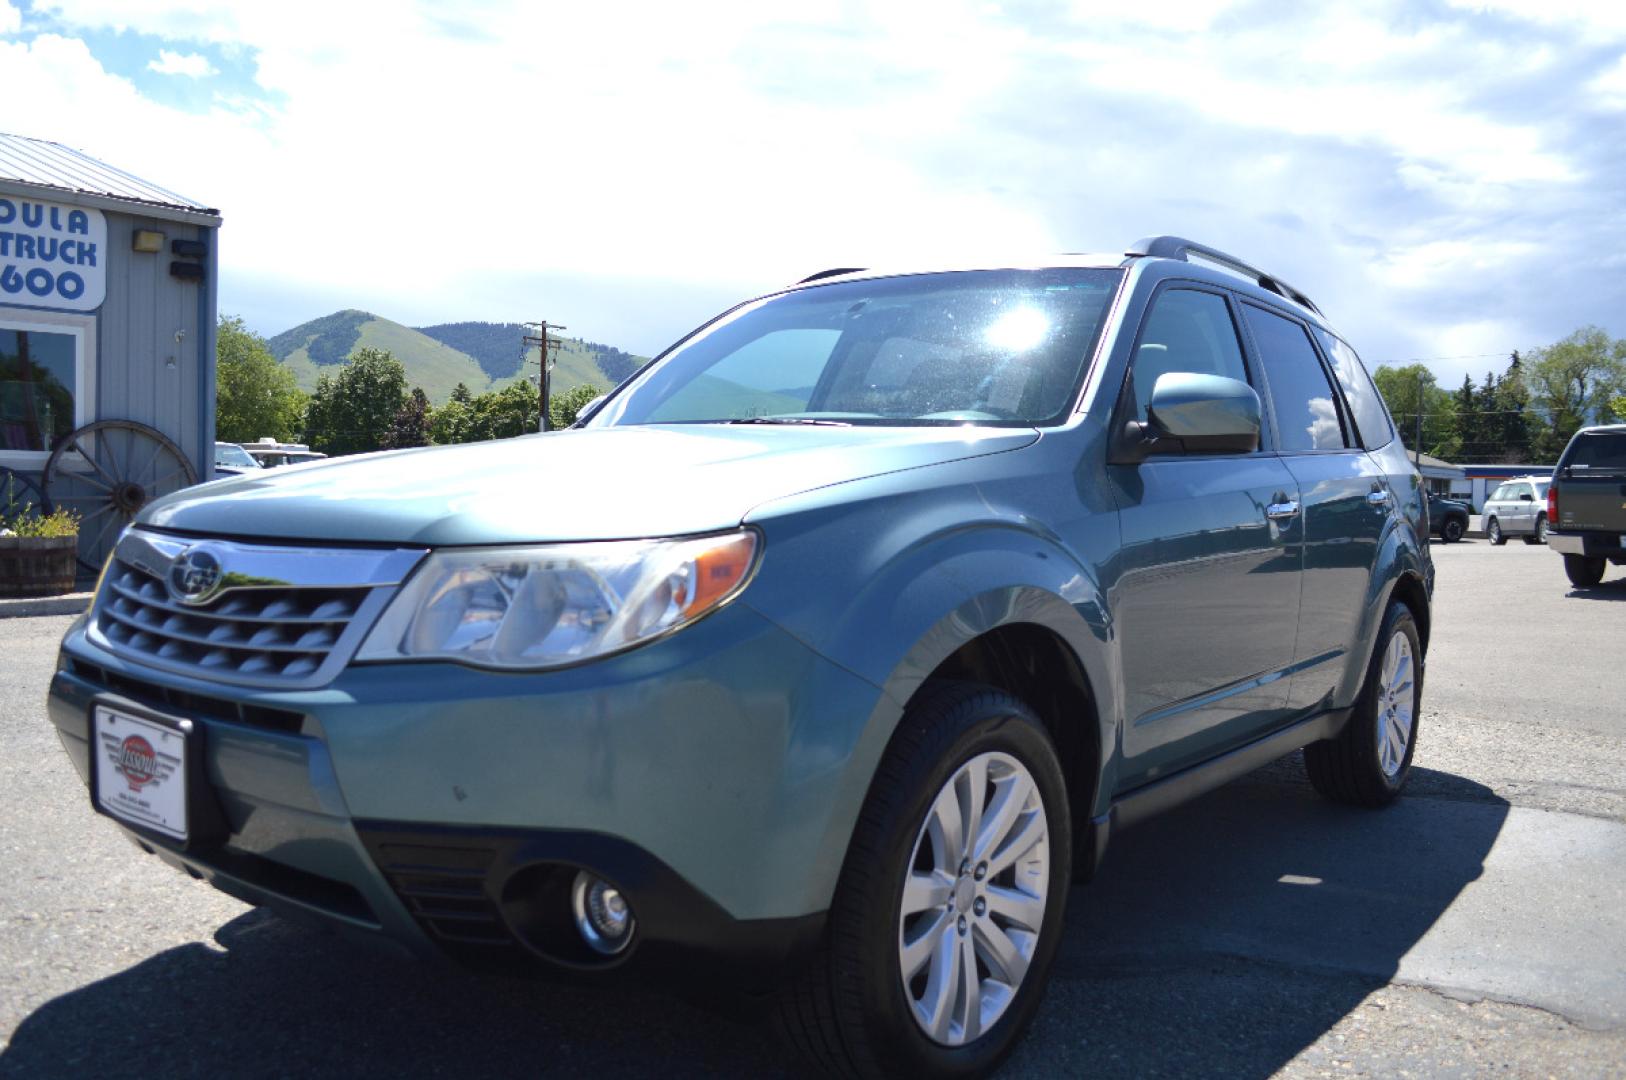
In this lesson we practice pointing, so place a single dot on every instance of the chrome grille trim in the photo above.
(285, 617)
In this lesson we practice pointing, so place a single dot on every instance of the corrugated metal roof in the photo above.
(49, 164)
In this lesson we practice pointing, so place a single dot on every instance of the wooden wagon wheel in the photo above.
(106, 472)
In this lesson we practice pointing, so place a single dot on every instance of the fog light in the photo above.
(603, 917)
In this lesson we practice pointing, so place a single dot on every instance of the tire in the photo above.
(1355, 767)
(1493, 532)
(1541, 530)
(1583, 571)
(850, 1012)
(1451, 531)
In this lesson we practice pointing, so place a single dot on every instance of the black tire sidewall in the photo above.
(992, 721)
(1451, 531)
(1493, 531)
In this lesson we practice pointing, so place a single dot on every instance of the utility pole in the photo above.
(544, 346)
(1417, 443)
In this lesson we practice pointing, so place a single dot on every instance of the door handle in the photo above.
(1378, 498)
(1281, 511)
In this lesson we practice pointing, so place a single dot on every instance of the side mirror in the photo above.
(1196, 414)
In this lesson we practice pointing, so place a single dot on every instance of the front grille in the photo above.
(282, 617)
(269, 633)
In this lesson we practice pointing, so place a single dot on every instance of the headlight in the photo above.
(541, 607)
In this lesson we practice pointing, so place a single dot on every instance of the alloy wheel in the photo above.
(974, 898)
(1395, 703)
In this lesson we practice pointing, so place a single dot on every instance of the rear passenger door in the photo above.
(1206, 597)
(1344, 497)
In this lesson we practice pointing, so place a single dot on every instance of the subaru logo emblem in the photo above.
(194, 576)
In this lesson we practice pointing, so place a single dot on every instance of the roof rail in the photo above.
(1175, 247)
(836, 272)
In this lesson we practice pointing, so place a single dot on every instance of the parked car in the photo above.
(1518, 508)
(233, 460)
(1447, 518)
(1587, 504)
(850, 630)
(271, 454)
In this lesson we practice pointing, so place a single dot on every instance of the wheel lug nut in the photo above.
(965, 867)
(962, 924)
(980, 907)
(982, 871)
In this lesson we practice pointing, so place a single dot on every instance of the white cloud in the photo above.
(11, 18)
(192, 65)
(442, 165)
(1610, 87)
(1596, 17)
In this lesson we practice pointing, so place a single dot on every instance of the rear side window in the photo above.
(1597, 452)
(1187, 331)
(1365, 403)
(1302, 399)
(1499, 495)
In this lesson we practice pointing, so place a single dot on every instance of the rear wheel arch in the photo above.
(1409, 590)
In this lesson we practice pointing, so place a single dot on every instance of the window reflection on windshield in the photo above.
(986, 347)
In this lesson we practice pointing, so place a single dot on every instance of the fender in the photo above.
(936, 593)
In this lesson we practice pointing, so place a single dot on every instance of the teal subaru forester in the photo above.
(820, 658)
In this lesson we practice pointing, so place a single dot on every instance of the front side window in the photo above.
(1187, 331)
(39, 385)
(1000, 348)
(1302, 399)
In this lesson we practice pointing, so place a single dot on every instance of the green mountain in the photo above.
(482, 356)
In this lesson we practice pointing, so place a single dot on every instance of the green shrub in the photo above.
(24, 520)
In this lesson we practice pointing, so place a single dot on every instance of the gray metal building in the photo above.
(107, 337)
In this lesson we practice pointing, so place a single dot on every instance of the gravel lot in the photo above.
(1477, 927)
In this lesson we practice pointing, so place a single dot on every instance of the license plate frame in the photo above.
(142, 769)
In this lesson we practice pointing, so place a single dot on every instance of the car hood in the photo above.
(592, 484)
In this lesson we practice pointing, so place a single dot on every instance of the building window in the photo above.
(44, 382)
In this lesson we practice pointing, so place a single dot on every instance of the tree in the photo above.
(1576, 381)
(564, 408)
(412, 422)
(1408, 390)
(502, 414)
(461, 394)
(255, 396)
(451, 423)
(1513, 425)
(354, 411)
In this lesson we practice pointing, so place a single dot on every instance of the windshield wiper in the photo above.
(809, 420)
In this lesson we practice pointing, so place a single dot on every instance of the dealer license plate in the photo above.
(140, 770)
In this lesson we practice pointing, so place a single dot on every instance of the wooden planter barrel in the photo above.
(37, 565)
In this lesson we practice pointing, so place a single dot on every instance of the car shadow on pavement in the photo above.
(1227, 936)
(1605, 590)
(1220, 939)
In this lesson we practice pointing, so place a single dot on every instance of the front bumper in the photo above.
(712, 776)
(1605, 545)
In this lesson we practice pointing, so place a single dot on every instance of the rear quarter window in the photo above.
(1365, 404)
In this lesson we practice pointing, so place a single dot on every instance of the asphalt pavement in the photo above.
(1477, 927)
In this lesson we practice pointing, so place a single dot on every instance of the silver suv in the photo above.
(1518, 508)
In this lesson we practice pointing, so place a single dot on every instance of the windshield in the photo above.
(234, 455)
(998, 347)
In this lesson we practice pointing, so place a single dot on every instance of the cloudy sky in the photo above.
(1447, 178)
